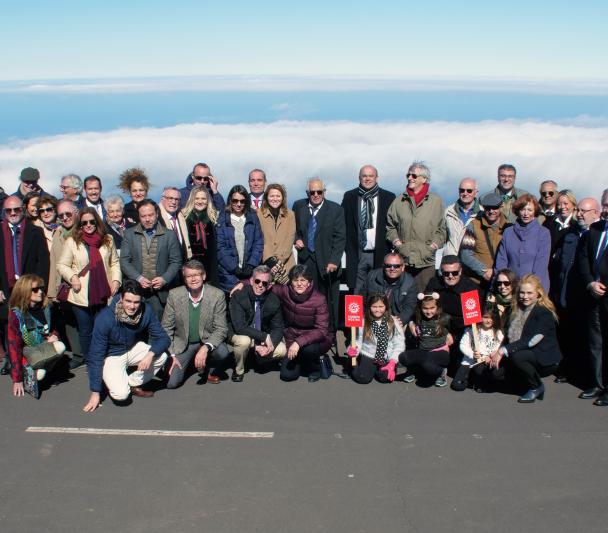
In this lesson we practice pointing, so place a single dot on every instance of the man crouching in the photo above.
(126, 333)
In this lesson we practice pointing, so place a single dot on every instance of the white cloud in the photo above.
(576, 155)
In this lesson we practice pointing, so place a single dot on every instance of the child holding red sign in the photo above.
(431, 358)
(490, 338)
(381, 340)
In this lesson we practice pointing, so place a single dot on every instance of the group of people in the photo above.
(202, 283)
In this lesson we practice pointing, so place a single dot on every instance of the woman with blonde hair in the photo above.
(89, 263)
(278, 225)
(33, 346)
(201, 220)
(532, 350)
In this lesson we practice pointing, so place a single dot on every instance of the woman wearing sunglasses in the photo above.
(502, 292)
(31, 340)
(240, 242)
(89, 263)
(47, 218)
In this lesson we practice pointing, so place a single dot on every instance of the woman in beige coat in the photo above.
(89, 246)
(278, 225)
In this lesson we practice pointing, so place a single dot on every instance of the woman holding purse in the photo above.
(89, 263)
(33, 347)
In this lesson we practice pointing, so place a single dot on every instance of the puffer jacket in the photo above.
(417, 227)
(306, 316)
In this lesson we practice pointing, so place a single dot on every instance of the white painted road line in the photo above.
(152, 432)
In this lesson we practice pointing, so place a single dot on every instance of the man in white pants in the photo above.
(126, 322)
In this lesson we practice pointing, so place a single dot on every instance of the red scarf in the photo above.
(418, 196)
(7, 234)
(201, 236)
(99, 290)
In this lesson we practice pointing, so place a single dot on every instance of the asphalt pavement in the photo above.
(342, 457)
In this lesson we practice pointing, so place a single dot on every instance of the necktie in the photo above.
(257, 319)
(16, 252)
(312, 229)
(256, 201)
(176, 229)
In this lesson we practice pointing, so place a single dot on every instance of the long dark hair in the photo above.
(100, 227)
(367, 323)
(238, 189)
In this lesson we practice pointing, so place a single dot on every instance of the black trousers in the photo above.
(526, 367)
(328, 285)
(598, 346)
(366, 370)
(425, 364)
(307, 360)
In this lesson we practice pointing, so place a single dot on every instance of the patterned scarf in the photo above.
(367, 214)
(380, 331)
(122, 316)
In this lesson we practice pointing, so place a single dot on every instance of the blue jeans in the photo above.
(85, 318)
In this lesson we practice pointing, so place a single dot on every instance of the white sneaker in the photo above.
(40, 373)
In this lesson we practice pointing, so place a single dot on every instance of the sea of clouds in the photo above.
(575, 154)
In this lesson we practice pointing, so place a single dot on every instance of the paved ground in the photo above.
(343, 458)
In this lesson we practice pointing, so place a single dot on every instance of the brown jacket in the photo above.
(278, 241)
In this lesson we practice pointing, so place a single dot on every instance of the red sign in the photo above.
(471, 310)
(353, 311)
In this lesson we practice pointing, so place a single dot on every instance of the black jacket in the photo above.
(352, 206)
(449, 297)
(586, 263)
(242, 313)
(402, 295)
(547, 350)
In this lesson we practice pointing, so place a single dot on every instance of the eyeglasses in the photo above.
(63, 187)
(415, 176)
(505, 283)
(547, 193)
(11, 210)
(67, 214)
(450, 273)
(491, 207)
(237, 201)
(46, 210)
(261, 282)
(172, 198)
(318, 193)
(36, 290)
(84, 223)
(199, 178)
(394, 266)
(462, 191)
(194, 276)
(583, 211)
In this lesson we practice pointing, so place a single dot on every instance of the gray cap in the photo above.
(490, 199)
(29, 174)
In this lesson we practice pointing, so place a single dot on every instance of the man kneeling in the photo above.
(127, 323)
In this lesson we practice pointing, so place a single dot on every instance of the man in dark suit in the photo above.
(23, 250)
(365, 215)
(150, 254)
(92, 196)
(320, 241)
(593, 265)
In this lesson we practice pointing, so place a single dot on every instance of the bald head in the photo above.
(467, 192)
(13, 209)
(368, 177)
(588, 212)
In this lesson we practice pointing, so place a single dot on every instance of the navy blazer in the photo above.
(587, 264)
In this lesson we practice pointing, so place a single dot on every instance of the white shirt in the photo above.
(370, 242)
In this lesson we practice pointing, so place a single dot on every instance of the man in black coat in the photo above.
(365, 215)
(320, 241)
(593, 265)
(256, 322)
(23, 250)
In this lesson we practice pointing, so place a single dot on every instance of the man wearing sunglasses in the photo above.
(201, 175)
(256, 322)
(365, 211)
(482, 237)
(29, 183)
(548, 194)
(23, 250)
(320, 241)
(399, 286)
(507, 191)
(460, 214)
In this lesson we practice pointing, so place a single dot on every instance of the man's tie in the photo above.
(601, 249)
(256, 201)
(312, 229)
(176, 228)
(257, 320)
(16, 252)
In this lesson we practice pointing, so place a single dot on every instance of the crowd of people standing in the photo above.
(202, 283)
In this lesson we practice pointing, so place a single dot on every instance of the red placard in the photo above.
(471, 310)
(353, 311)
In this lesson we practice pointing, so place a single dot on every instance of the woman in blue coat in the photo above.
(526, 245)
(240, 242)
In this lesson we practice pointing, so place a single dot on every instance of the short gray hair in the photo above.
(262, 269)
(425, 170)
(194, 264)
(74, 180)
(114, 200)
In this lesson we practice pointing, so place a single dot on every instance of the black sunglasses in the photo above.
(46, 210)
(392, 265)
(261, 282)
(412, 175)
(462, 191)
(13, 209)
(88, 223)
(548, 193)
(236, 201)
(36, 290)
(505, 283)
(312, 193)
(450, 274)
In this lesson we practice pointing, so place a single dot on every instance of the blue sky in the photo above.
(96, 39)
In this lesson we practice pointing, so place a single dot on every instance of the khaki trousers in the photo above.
(242, 344)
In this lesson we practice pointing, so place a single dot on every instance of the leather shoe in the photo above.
(6, 366)
(560, 379)
(141, 393)
(591, 393)
(602, 401)
(213, 379)
(533, 394)
(238, 378)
